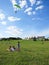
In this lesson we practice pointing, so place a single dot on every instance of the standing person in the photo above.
(18, 46)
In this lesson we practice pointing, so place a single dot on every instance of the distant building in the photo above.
(41, 38)
(26, 38)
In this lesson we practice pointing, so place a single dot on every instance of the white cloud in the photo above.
(32, 2)
(28, 11)
(38, 2)
(39, 7)
(2, 16)
(13, 3)
(11, 18)
(23, 3)
(13, 31)
(3, 22)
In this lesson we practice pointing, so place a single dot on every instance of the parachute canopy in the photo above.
(17, 6)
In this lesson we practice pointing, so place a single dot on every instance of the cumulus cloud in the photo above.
(2, 16)
(28, 11)
(13, 3)
(27, 8)
(39, 7)
(13, 31)
(32, 2)
(3, 23)
(23, 3)
(11, 18)
(39, 2)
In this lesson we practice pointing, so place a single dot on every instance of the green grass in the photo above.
(32, 53)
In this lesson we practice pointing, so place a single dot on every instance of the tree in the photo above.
(34, 39)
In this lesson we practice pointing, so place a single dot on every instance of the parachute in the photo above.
(17, 7)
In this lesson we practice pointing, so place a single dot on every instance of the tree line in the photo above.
(11, 38)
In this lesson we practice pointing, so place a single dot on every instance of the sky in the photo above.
(32, 19)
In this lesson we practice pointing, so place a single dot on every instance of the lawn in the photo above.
(31, 53)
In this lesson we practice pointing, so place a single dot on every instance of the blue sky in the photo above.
(31, 20)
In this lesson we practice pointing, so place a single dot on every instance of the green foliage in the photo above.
(32, 53)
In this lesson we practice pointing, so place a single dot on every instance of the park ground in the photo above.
(31, 53)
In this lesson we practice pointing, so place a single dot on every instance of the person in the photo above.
(18, 46)
(14, 48)
(11, 48)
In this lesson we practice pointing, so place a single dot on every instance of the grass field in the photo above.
(32, 53)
